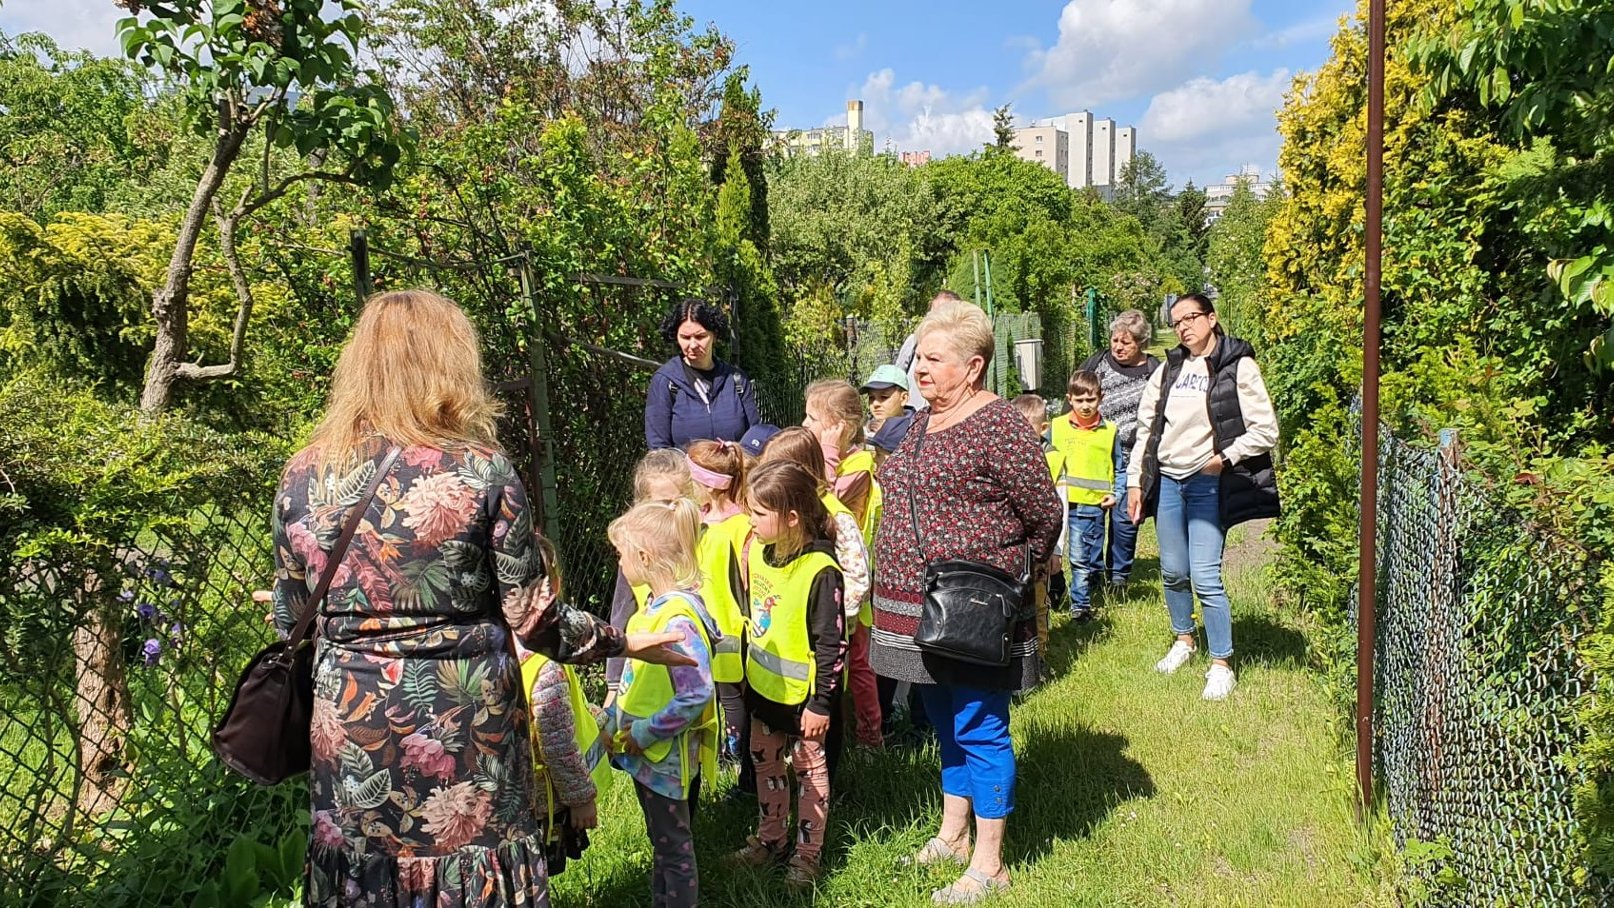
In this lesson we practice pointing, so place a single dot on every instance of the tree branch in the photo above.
(243, 314)
(285, 185)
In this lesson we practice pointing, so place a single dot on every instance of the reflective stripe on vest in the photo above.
(715, 553)
(1089, 460)
(779, 661)
(647, 690)
(585, 732)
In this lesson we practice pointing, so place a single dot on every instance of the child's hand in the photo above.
(813, 726)
(626, 743)
(586, 815)
(1108, 502)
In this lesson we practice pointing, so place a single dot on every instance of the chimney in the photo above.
(854, 124)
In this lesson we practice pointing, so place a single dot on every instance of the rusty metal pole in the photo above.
(1367, 577)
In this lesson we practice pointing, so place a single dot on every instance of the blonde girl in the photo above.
(661, 475)
(718, 470)
(835, 416)
(663, 725)
(799, 446)
(796, 648)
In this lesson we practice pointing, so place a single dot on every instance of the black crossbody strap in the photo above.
(350, 526)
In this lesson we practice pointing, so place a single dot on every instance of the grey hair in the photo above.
(1134, 323)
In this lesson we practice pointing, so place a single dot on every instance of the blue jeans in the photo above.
(1189, 524)
(977, 757)
(1084, 548)
(1123, 532)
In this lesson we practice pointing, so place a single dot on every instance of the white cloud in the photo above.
(1320, 28)
(1116, 49)
(919, 116)
(73, 24)
(1205, 128)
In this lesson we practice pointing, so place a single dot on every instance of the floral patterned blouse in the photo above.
(422, 783)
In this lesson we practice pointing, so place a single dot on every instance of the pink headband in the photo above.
(709, 478)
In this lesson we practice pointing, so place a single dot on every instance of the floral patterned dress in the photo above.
(422, 781)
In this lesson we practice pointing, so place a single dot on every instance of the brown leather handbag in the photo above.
(264, 732)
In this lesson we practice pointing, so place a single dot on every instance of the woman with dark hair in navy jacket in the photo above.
(693, 395)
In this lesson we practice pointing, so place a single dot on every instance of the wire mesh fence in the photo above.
(112, 672)
(1479, 618)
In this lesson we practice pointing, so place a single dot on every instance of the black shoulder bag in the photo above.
(970, 609)
(264, 732)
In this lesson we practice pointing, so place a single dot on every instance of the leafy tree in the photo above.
(1191, 214)
(1142, 190)
(742, 128)
(250, 67)
(1237, 267)
(1002, 130)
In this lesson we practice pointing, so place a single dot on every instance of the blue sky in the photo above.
(1200, 79)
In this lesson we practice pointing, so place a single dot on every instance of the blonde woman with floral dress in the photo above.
(422, 782)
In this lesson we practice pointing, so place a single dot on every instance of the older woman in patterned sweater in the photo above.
(980, 490)
(1123, 371)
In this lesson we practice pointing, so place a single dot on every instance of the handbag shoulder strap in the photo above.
(913, 503)
(350, 526)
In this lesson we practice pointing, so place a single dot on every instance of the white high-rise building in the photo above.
(851, 138)
(1095, 149)
(1103, 154)
(1126, 148)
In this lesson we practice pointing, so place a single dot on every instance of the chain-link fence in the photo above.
(112, 672)
(1479, 618)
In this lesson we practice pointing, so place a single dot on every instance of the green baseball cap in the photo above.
(886, 377)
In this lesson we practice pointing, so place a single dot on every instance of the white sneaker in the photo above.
(1219, 682)
(1174, 658)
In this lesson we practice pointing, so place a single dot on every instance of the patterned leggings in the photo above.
(768, 749)
(674, 880)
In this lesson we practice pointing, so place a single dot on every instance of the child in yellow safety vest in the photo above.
(1092, 457)
(664, 723)
(801, 447)
(795, 652)
(835, 415)
(568, 749)
(1035, 410)
(661, 475)
(718, 469)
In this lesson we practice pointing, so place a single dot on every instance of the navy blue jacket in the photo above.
(675, 413)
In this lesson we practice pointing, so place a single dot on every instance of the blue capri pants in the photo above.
(977, 757)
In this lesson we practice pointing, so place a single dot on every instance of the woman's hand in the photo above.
(538, 602)
(1216, 466)
(656, 649)
(1134, 505)
(265, 597)
(586, 815)
(813, 726)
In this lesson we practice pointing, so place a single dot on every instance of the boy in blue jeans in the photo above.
(1092, 457)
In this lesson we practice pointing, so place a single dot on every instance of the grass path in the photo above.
(1131, 792)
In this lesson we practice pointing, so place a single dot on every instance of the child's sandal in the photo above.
(802, 873)
(757, 853)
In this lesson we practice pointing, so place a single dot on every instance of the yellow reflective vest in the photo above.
(648, 690)
(862, 461)
(1089, 456)
(717, 550)
(779, 658)
(585, 731)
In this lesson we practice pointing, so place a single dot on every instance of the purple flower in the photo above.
(145, 610)
(176, 634)
(126, 596)
(152, 650)
(160, 576)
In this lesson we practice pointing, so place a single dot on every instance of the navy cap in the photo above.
(756, 438)
(891, 433)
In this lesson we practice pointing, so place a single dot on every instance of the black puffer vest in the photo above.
(1249, 490)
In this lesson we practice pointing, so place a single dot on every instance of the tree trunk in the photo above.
(170, 305)
(102, 703)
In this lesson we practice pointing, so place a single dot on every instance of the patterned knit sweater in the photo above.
(981, 489)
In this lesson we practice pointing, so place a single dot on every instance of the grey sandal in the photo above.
(985, 887)
(935, 851)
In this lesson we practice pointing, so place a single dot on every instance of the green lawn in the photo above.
(1132, 791)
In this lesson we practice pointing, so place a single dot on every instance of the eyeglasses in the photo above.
(1180, 323)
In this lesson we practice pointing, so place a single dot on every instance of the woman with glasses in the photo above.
(1206, 430)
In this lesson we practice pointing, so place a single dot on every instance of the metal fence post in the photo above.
(540, 394)
(358, 248)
